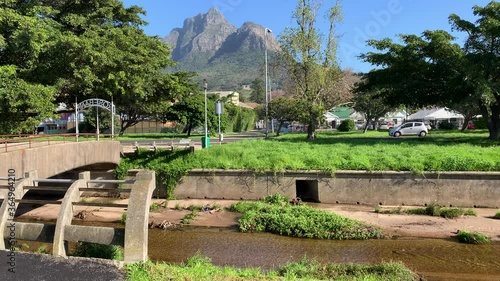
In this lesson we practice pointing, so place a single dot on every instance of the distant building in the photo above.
(434, 116)
(235, 96)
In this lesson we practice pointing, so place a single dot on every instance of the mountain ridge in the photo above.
(217, 50)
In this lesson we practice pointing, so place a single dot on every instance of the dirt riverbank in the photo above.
(391, 224)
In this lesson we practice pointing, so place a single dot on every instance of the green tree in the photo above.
(372, 105)
(88, 49)
(311, 62)
(284, 110)
(22, 104)
(258, 94)
(433, 70)
(190, 111)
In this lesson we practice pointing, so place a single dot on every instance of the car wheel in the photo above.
(397, 134)
(422, 134)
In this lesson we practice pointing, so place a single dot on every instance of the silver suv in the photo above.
(408, 129)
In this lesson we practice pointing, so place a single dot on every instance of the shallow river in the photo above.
(435, 259)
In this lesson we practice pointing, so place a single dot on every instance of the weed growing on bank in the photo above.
(201, 268)
(497, 215)
(275, 214)
(94, 250)
(430, 210)
(467, 237)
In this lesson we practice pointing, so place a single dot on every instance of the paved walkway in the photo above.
(42, 267)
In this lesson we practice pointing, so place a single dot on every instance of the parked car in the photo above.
(386, 126)
(408, 129)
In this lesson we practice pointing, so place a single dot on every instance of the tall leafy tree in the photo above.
(190, 111)
(89, 49)
(310, 60)
(372, 105)
(24, 35)
(433, 70)
(284, 110)
(258, 94)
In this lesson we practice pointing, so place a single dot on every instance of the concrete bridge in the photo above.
(22, 170)
(54, 159)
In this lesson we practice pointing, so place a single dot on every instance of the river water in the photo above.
(435, 259)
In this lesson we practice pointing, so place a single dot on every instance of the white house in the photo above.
(394, 118)
(434, 116)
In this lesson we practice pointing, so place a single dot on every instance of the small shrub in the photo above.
(276, 199)
(216, 206)
(497, 215)
(124, 218)
(445, 125)
(189, 217)
(93, 250)
(195, 207)
(178, 207)
(470, 212)
(464, 236)
(416, 211)
(432, 210)
(347, 126)
(42, 250)
(154, 207)
(451, 213)
(480, 124)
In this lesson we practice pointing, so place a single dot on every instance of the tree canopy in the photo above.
(432, 69)
(74, 50)
(310, 61)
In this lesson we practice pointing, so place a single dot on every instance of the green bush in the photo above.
(497, 215)
(451, 213)
(93, 250)
(201, 268)
(464, 236)
(299, 221)
(445, 125)
(347, 126)
(480, 124)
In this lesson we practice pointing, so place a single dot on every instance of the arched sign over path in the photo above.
(96, 103)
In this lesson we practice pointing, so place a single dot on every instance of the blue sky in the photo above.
(363, 19)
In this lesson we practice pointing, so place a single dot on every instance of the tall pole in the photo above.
(97, 122)
(267, 100)
(112, 119)
(205, 85)
(270, 99)
(76, 118)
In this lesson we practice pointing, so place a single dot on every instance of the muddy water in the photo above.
(435, 259)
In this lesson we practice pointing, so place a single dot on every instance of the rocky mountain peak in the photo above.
(208, 40)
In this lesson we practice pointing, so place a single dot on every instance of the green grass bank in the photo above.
(200, 268)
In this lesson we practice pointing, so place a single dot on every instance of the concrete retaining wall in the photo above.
(464, 189)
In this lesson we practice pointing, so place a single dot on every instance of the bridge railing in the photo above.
(134, 238)
(23, 141)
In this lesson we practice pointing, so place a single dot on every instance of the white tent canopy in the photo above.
(442, 113)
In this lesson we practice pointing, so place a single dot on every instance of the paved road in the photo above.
(38, 267)
(213, 140)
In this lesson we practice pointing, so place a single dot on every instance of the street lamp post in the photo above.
(267, 30)
(205, 86)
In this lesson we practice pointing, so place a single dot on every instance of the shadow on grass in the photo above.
(440, 138)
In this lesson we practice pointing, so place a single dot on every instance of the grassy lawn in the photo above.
(374, 151)
(330, 152)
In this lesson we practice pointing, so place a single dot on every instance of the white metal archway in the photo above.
(96, 103)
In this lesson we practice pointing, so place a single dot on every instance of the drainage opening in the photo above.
(307, 190)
